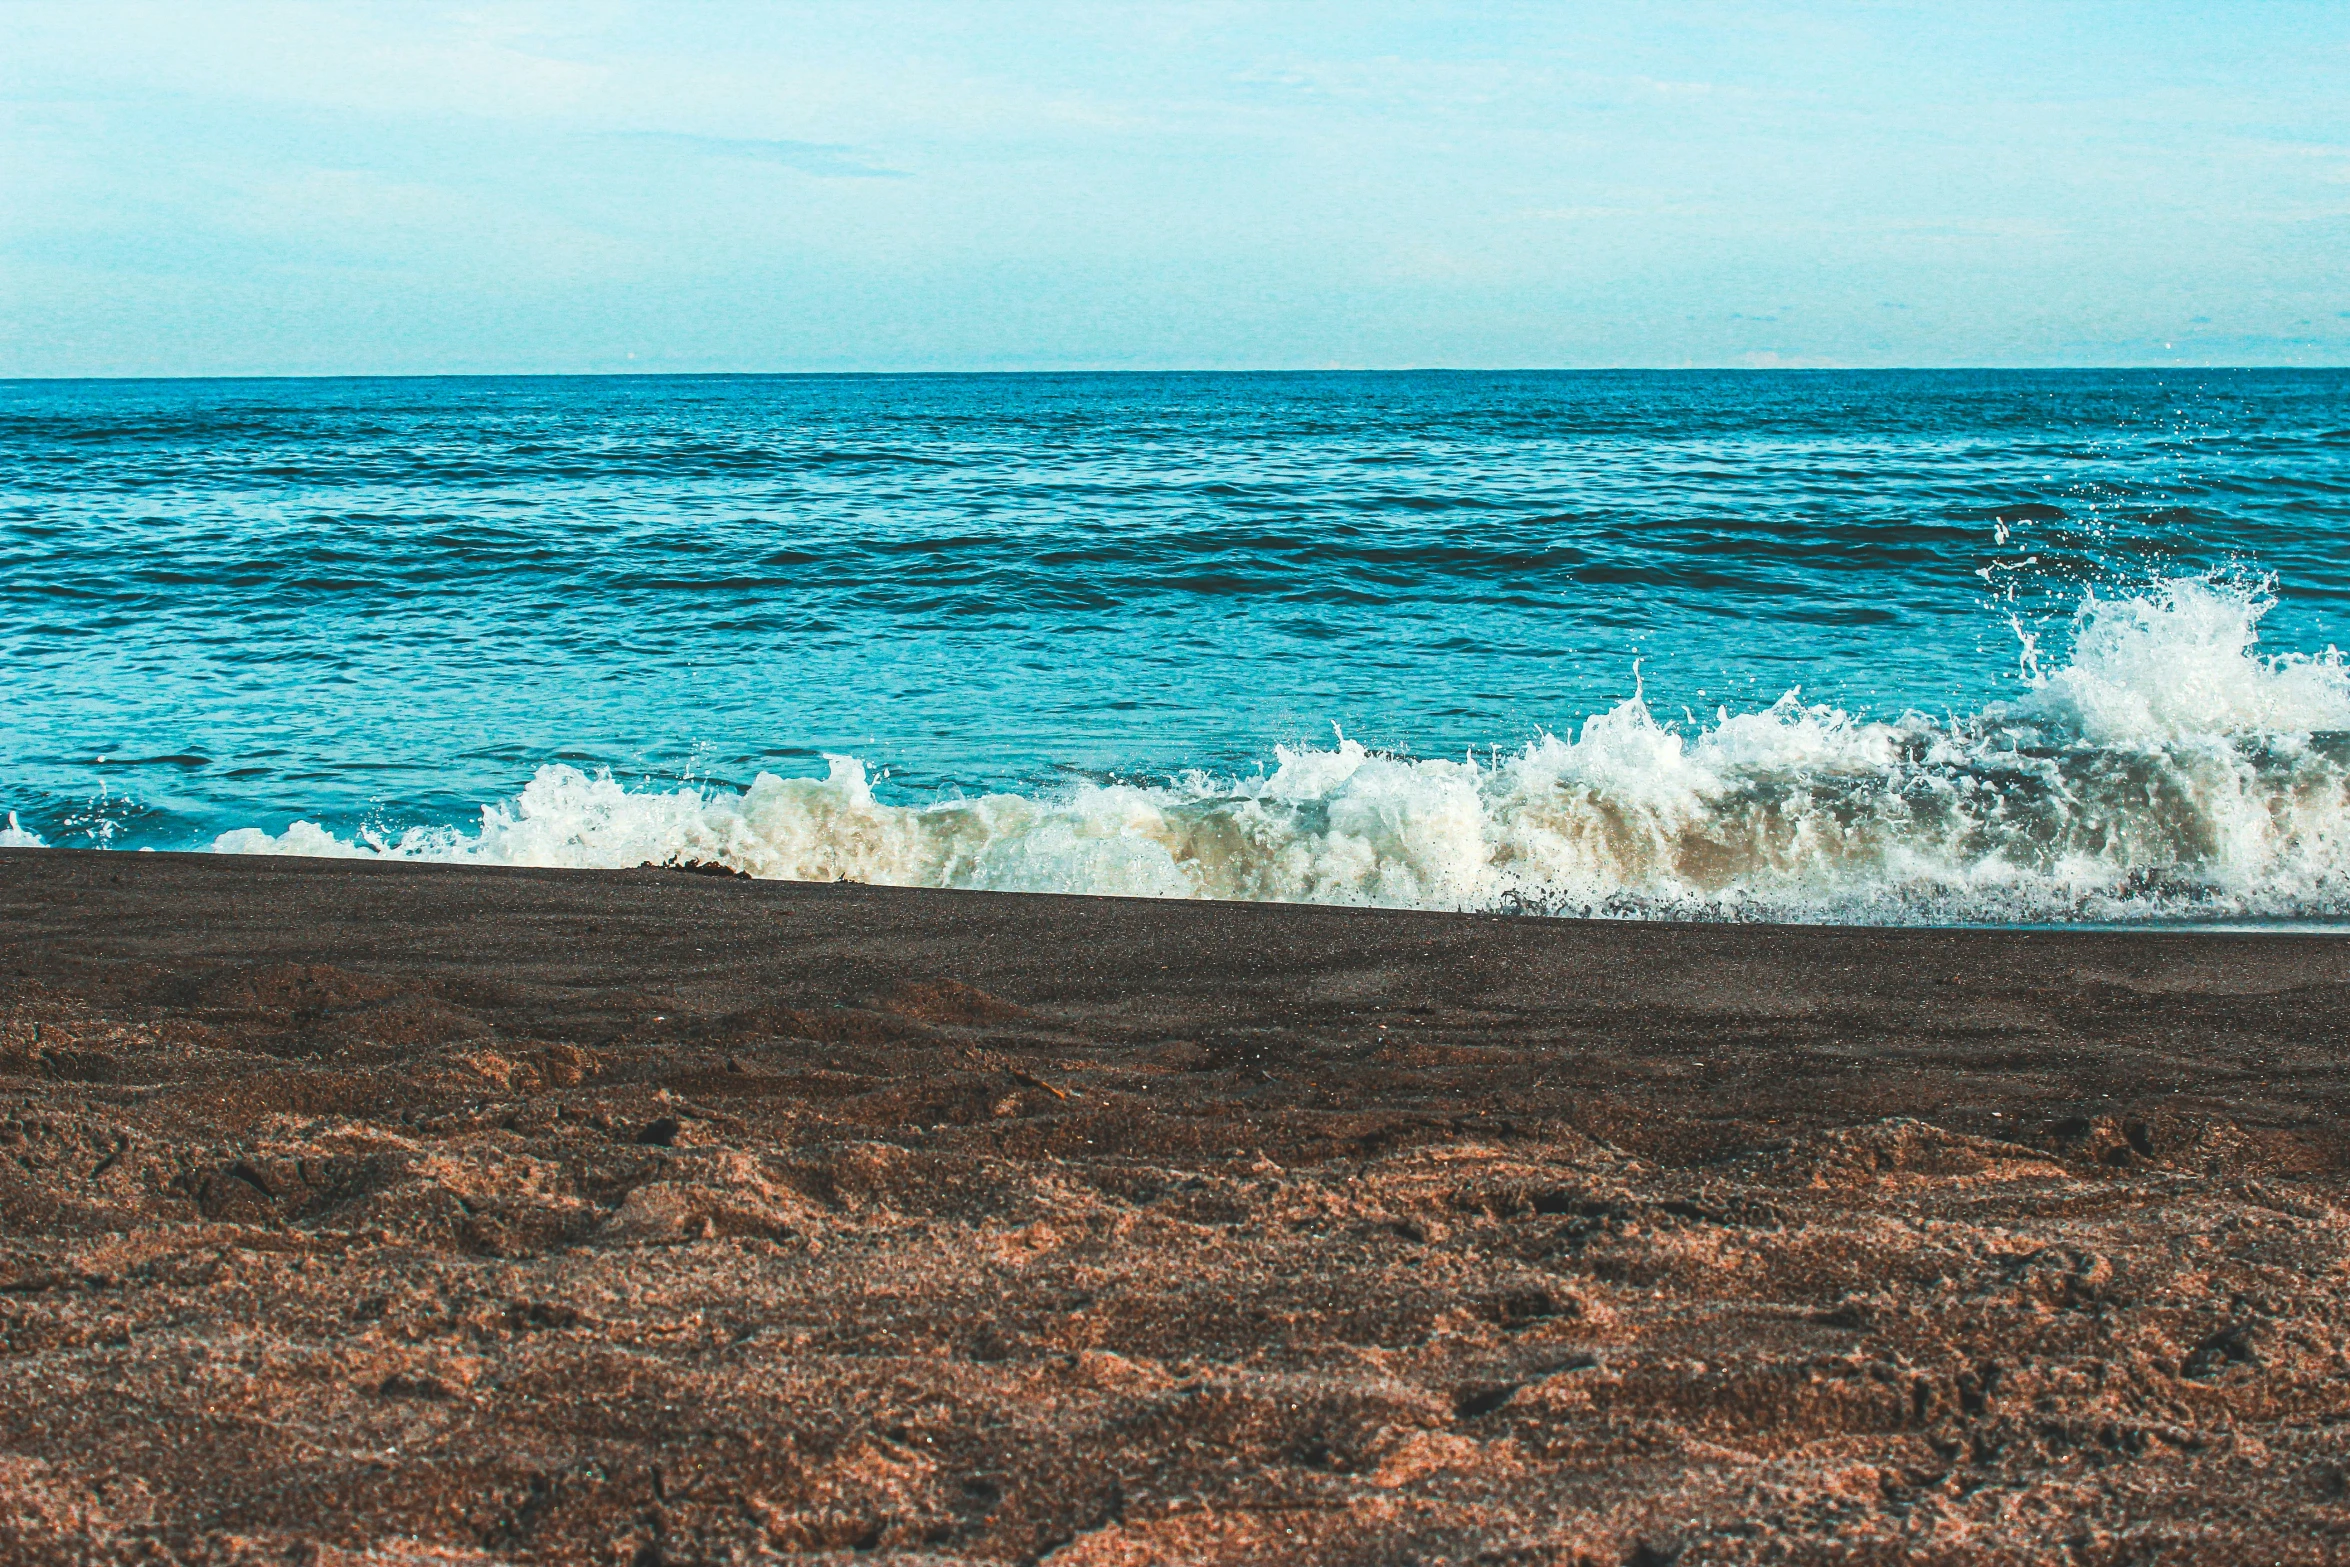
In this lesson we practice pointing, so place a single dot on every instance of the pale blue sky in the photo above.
(300, 189)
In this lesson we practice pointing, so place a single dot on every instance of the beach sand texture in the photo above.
(387, 1213)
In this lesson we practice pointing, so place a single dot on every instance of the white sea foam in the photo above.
(14, 836)
(2180, 664)
(2168, 769)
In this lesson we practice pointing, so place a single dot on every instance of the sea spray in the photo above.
(2168, 770)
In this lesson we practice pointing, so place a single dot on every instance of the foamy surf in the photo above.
(2168, 770)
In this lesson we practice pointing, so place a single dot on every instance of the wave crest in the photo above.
(2169, 770)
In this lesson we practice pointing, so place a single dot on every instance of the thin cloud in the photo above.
(823, 159)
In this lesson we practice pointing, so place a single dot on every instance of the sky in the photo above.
(299, 189)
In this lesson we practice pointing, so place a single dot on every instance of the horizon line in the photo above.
(754, 375)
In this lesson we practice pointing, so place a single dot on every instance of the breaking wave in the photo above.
(2167, 770)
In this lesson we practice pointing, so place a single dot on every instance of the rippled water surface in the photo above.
(1122, 607)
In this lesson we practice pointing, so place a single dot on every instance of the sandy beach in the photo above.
(377, 1213)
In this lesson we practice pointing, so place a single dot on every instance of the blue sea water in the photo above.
(2059, 643)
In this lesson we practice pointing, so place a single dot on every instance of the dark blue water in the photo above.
(383, 604)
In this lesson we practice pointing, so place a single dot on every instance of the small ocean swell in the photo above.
(2169, 770)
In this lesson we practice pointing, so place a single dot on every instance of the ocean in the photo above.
(1887, 647)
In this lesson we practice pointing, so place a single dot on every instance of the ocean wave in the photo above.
(2167, 770)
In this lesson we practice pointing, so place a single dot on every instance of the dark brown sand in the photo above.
(410, 1214)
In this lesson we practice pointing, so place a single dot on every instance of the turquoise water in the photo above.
(1106, 632)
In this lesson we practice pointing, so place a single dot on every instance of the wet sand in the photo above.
(373, 1213)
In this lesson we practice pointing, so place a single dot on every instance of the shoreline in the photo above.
(549, 1215)
(2241, 925)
